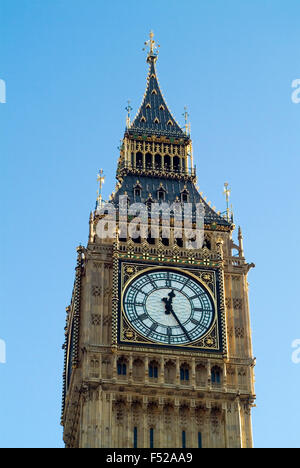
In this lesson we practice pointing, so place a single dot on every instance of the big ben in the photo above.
(158, 349)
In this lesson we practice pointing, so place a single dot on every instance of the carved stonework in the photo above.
(239, 332)
(96, 291)
(95, 319)
(237, 303)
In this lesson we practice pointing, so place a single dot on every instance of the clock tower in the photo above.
(158, 349)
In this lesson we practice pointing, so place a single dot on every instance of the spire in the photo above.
(154, 116)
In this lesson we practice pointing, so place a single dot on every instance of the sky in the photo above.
(69, 67)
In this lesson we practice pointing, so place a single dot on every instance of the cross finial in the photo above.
(128, 108)
(100, 179)
(153, 47)
(227, 192)
(186, 116)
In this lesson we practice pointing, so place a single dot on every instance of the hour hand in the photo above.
(167, 305)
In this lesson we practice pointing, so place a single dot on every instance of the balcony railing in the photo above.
(157, 170)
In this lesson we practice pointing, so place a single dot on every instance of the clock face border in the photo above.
(210, 341)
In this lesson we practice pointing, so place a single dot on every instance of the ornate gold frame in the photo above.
(211, 341)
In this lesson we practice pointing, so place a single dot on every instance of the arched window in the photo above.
(184, 194)
(137, 192)
(176, 163)
(184, 372)
(151, 437)
(183, 438)
(157, 160)
(135, 437)
(167, 162)
(139, 159)
(121, 367)
(153, 370)
(161, 193)
(149, 161)
(216, 375)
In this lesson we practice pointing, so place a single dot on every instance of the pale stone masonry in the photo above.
(123, 385)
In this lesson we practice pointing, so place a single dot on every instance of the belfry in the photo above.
(158, 349)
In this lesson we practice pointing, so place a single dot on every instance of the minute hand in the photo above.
(180, 324)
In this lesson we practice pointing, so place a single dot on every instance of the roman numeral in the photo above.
(152, 328)
(154, 285)
(195, 322)
(143, 316)
(198, 295)
(138, 290)
(186, 282)
(168, 281)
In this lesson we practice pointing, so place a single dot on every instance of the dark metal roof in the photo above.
(153, 116)
(173, 189)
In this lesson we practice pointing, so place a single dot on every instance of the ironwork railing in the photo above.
(158, 169)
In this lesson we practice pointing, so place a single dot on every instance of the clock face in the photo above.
(168, 307)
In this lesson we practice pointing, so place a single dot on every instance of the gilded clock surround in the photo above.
(211, 340)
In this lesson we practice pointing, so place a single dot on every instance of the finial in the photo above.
(241, 244)
(227, 192)
(153, 47)
(128, 108)
(121, 146)
(100, 179)
(186, 124)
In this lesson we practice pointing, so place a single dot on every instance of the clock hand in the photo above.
(167, 305)
(170, 310)
(168, 302)
(180, 324)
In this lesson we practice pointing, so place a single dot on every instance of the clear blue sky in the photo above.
(69, 68)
